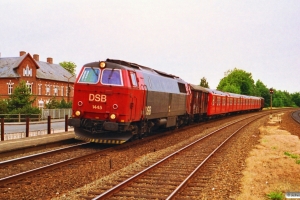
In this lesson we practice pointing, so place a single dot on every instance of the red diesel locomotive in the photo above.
(115, 101)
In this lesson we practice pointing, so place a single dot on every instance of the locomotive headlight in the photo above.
(102, 65)
(112, 116)
(77, 113)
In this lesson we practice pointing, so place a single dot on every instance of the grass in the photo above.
(275, 195)
(294, 156)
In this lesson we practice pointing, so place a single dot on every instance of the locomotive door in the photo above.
(169, 104)
(171, 121)
(133, 105)
(133, 95)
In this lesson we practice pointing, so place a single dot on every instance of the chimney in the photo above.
(36, 57)
(50, 60)
(22, 53)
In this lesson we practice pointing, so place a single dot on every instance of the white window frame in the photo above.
(10, 87)
(40, 88)
(27, 71)
(48, 89)
(41, 103)
(62, 90)
(55, 90)
(29, 85)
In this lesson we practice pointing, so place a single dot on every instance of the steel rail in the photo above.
(38, 155)
(201, 164)
(23, 175)
(296, 116)
(119, 186)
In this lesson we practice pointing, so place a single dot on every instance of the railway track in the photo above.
(166, 178)
(296, 116)
(41, 162)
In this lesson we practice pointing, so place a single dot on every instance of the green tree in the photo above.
(237, 80)
(3, 107)
(231, 88)
(282, 99)
(262, 91)
(64, 104)
(296, 98)
(20, 98)
(204, 83)
(55, 104)
(52, 104)
(70, 66)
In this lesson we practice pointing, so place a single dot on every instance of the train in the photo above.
(116, 101)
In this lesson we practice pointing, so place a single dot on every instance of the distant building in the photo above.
(44, 79)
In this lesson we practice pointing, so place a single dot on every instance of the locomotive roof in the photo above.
(141, 67)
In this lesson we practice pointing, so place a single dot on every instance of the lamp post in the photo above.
(69, 90)
(271, 94)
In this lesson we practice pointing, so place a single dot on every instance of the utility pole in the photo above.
(69, 88)
(271, 94)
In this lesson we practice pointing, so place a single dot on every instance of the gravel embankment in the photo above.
(67, 182)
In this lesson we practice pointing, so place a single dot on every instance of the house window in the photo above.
(27, 71)
(55, 89)
(41, 104)
(40, 89)
(48, 89)
(10, 87)
(29, 86)
(67, 90)
(62, 90)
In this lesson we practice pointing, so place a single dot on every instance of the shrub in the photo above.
(275, 195)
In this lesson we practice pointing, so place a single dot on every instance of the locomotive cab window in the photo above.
(181, 88)
(89, 75)
(133, 79)
(111, 77)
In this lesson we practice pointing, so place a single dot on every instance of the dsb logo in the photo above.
(97, 97)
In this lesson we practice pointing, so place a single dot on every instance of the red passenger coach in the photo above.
(223, 103)
(199, 102)
(217, 103)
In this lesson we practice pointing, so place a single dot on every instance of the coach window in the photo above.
(133, 79)
(89, 75)
(111, 77)
(218, 101)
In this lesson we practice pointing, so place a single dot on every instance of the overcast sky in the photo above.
(190, 39)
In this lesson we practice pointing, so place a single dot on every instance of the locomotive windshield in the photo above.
(111, 77)
(89, 75)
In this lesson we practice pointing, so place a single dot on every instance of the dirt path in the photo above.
(274, 164)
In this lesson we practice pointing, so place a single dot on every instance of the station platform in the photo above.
(34, 141)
